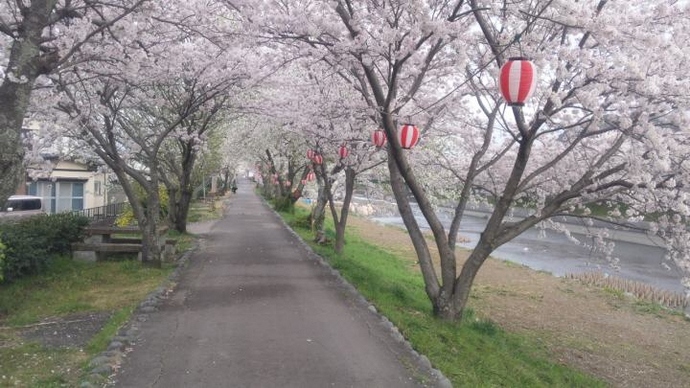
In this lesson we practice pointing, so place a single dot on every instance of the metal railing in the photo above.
(101, 213)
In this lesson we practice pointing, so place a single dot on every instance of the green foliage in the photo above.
(67, 286)
(204, 211)
(31, 242)
(2, 261)
(283, 204)
(127, 217)
(299, 220)
(60, 230)
(474, 353)
(28, 364)
(100, 341)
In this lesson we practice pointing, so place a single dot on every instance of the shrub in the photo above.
(301, 221)
(25, 251)
(283, 204)
(60, 230)
(2, 261)
(31, 242)
(127, 217)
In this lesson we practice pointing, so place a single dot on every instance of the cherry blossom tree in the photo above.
(606, 126)
(328, 114)
(158, 81)
(361, 157)
(40, 37)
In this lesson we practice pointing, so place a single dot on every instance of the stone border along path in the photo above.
(441, 380)
(105, 367)
(105, 364)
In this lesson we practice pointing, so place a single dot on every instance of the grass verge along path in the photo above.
(52, 323)
(476, 353)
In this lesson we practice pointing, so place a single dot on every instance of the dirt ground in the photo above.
(74, 330)
(604, 333)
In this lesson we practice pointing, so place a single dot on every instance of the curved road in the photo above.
(255, 309)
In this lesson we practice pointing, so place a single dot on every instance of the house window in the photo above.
(59, 196)
(77, 196)
(97, 188)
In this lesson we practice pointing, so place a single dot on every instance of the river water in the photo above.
(551, 251)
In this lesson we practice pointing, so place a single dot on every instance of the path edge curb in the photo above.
(440, 379)
(103, 366)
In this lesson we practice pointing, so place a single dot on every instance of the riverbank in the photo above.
(626, 342)
(636, 256)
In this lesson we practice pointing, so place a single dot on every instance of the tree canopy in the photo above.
(607, 124)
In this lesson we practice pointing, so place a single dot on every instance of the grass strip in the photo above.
(67, 287)
(474, 353)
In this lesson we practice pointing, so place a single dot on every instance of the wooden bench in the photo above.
(100, 242)
(106, 233)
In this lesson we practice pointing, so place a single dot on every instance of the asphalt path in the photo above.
(256, 309)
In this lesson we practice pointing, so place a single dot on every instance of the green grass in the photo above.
(72, 287)
(203, 211)
(474, 353)
(101, 340)
(67, 287)
(32, 365)
(185, 241)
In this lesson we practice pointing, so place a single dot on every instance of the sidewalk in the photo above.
(254, 309)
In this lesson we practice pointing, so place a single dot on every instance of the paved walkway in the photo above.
(254, 309)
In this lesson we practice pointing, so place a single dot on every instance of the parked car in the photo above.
(21, 206)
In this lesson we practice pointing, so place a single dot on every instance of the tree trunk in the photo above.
(318, 215)
(182, 207)
(463, 285)
(25, 64)
(146, 212)
(341, 225)
(150, 234)
(431, 283)
(179, 201)
(150, 243)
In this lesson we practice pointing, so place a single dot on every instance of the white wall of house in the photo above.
(70, 186)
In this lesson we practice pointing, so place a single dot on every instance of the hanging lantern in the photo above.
(518, 78)
(288, 183)
(378, 138)
(310, 154)
(311, 176)
(317, 159)
(304, 182)
(343, 152)
(409, 136)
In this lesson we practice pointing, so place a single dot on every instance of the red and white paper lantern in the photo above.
(311, 176)
(310, 154)
(518, 78)
(317, 159)
(343, 152)
(378, 137)
(409, 136)
(304, 182)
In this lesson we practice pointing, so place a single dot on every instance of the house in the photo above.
(70, 185)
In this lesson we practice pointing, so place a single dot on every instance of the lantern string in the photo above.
(519, 44)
